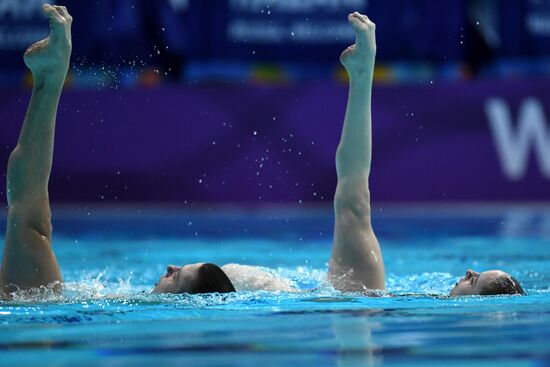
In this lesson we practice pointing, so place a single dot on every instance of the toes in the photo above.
(363, 27)
(59, 9)
(355, 22)
(57, 14)
(67, 15)
(362, 18)
(366, 18)
(52, 13)
(62, 10)
(60, 22)
(357, 18)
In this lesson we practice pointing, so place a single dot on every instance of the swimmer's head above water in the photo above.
(194, 278)
(491, 282)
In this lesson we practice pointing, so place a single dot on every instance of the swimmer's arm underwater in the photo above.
(28, 260)
(356, 263)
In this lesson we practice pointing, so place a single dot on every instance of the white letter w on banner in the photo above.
(514, 145)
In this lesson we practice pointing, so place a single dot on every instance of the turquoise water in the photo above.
(111, 259)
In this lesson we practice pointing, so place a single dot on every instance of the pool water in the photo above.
(111, 258)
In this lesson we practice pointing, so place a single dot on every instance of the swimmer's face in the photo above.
(474, 283)
(178, 279)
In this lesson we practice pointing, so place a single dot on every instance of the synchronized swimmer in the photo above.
(356, 263)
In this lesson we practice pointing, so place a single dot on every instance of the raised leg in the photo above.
(356, 263)
(28, 260)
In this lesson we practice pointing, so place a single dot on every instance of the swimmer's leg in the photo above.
(356, 263)
(28, 260)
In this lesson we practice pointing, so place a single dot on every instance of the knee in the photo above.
(353, 195)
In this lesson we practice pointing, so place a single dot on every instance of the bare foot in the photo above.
(359, 58)
(49, 58)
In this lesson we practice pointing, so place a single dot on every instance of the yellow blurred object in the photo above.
(268, 74)
(383, 75)
(341, 75)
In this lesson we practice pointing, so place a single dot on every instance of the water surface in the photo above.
(111, 259)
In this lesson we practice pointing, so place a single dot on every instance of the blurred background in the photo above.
(192, 102)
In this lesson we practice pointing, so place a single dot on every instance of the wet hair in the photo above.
(212, 279)
(504, 284)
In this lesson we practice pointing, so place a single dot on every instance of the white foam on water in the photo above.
(253, 284)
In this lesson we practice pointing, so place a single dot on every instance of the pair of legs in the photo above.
(29, 261)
